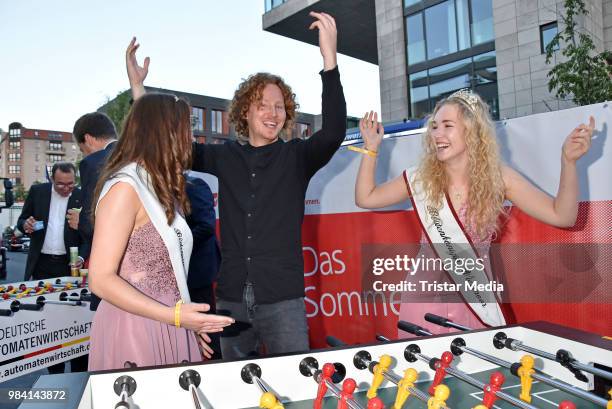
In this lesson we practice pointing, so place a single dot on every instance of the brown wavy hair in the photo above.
(157, 137)
(250, 91)
(485, 202)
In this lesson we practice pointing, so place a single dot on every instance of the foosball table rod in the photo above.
(501, 340)
(309, 367)
(458, 347)
(251, 374)
(124, 387)
(189, 380)
(363, 360)
(413, 352)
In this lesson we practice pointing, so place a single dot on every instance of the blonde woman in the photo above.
(458, 191)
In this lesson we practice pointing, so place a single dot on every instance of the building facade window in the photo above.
(15, 133)
(479, 73)
(547, 33)
(416, 38)
(15, 157)
(219, 122)
(55, 158)
(197, 119)
(450, 45)
(14, 169)
(14, 145)
(302, 131)
(482, 21)
(54, 136)
(55, 146)
(270, 4)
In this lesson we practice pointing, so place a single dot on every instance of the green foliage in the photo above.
(19, 193)
(118, 108)
(585, 77)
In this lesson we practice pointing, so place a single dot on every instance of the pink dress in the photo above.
(450, 306)
(118, 338)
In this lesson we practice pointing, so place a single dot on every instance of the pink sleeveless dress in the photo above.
(450, 306)
(120, 339)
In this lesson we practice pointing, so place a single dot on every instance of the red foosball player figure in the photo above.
(375, 403)
(269, 401)
(383, 365)
(566, 404)
(326, 373)
(495, 383)
(525, 372)
(348, 387)
(440, 365)
(438, 401)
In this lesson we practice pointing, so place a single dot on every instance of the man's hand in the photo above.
(136, 73)
(73, 215)
(328, 38)
(28, 225)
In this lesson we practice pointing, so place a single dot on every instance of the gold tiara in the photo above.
(466, 95)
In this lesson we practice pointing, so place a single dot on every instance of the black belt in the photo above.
(54, 256)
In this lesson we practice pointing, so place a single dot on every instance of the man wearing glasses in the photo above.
(50, 217)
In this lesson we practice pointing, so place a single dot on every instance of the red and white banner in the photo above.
(335, 230)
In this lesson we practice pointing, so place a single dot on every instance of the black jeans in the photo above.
(279, 327)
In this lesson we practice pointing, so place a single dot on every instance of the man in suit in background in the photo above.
(48, 217)
(96, 136)
(205, 257)
(51, 204)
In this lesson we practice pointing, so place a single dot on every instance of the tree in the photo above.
(117, 108)
(585, 77)
(20, 193)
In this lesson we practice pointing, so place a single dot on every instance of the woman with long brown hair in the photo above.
(458, 192)
(142, 245)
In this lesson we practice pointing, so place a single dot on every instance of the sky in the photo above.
(61, 59)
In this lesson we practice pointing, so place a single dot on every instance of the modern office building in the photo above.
(427, 49)
(27, 155)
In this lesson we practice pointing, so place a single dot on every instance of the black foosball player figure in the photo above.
(440, 367)
(348, 387)
(326, 373)
(490, 391)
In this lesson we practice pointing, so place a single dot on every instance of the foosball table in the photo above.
(534, 365)
(42, 322)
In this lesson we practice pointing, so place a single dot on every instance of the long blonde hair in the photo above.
(486, 187)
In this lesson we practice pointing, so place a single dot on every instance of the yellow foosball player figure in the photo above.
(480, 407)
(525, 372)
(609, 405)
(383, 365)
(403, 392)
(438, 401)
(269, 401)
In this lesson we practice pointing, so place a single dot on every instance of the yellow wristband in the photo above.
(177, 314)
(364, 151)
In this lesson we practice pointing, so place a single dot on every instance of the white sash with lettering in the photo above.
(177, 237)
(449, 241)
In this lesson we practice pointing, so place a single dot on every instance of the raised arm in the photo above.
(321, 146)
(562, 210)
(115, 220)
(367, 194)
(136, 73)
